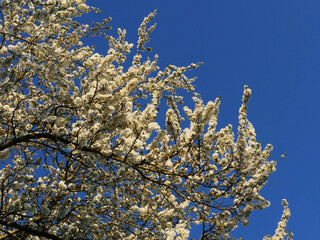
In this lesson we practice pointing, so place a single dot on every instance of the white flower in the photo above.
(4, 154)
(83, 7)
(28, 127)
(62, 185)
(97, 198)
(33, 225)
(114, 133)
(45, 210)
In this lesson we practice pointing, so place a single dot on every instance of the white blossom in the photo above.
(101, 146)
(62, 185)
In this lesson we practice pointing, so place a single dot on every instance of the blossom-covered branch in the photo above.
(83, 152)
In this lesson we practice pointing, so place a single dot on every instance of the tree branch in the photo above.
(30, 230)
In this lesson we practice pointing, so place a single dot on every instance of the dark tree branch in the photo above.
(30, 230)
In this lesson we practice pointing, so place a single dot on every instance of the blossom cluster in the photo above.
(83, 152)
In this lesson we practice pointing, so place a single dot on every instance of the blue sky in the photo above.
(274, 47)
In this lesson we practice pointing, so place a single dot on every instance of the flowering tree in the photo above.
(83, 154)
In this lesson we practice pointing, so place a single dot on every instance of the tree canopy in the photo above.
(84, 153)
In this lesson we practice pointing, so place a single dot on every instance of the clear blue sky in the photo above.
(274, 47)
